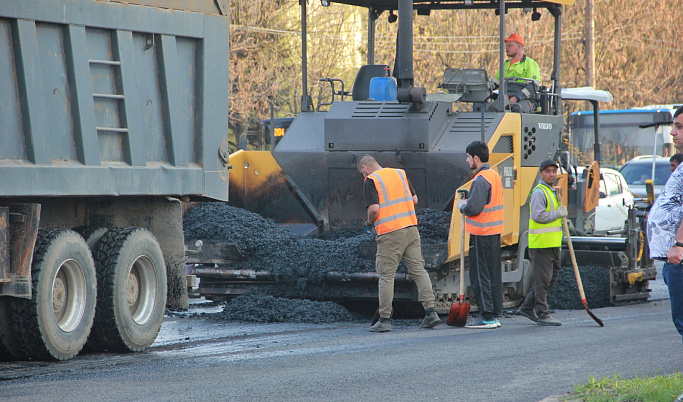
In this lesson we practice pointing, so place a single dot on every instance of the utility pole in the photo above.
(590, 45)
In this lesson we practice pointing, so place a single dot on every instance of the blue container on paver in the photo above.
(383, 89)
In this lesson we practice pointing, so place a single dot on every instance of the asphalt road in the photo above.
(207, 360)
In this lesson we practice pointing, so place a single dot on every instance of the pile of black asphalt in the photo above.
(595, 280)
(300, 265)
(266, 308)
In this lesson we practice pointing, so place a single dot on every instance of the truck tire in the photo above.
(55, 323)
(8, 343)
(91, 234)
(131, 285)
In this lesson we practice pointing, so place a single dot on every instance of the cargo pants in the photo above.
(545, 268)
(402, 244)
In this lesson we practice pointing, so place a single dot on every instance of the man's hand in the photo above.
(462, 203)
(563, 211)
(367, 227)
(514, 99)
(675, 255)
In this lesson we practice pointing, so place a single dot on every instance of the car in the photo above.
(614, 203)
(639, 169)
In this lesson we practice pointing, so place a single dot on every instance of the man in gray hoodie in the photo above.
(545, 240)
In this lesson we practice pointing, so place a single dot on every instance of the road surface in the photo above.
(200, 359)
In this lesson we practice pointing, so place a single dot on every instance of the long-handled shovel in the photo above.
(457, 316)
(576, 270)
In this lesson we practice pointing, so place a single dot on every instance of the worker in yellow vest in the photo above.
(483, 212)
(545, 240)
(390, 201)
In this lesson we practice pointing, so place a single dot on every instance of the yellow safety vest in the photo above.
(546, 235)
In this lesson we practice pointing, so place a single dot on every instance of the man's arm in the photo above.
(538, 205)
(675, 254)
(371, 200)
(373, 212)
(478, 198)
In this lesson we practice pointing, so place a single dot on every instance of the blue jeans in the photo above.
(673, 277)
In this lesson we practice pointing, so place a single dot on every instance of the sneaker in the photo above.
(481, 323)
(498, 323)
(548, 321)
(383, 325)
(528, 313)
(431, 320)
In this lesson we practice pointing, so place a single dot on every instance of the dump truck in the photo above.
(112, 112)
(310, 178)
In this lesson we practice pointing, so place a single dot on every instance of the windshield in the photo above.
(637, 173)
(620, 137)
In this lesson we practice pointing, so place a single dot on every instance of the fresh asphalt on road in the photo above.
(198, 359)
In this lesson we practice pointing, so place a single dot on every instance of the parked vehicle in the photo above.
(111, 112)
(621, 135)
(639, 169)
(615, 200)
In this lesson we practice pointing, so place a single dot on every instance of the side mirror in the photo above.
(603, 195)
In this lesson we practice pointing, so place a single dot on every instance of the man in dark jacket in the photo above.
(483, 213)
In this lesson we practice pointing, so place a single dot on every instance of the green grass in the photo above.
(646, 389)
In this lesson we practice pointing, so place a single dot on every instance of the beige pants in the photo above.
(392, 247)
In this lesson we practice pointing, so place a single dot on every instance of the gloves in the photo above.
(461, 204)
(563, 211)
(367, 227)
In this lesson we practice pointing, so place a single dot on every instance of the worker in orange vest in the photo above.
(390, 201)
(483, 212)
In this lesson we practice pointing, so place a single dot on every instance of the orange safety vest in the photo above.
(490, 220)
(396, 208)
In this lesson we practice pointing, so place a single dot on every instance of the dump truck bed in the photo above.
(108, 99)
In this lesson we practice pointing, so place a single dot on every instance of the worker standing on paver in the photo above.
(545, 240)
(483, 211)
(390, 201)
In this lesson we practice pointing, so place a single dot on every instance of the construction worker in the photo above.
(665, 232)
(390, 201)
(545, 240)
(483, 211)
(522, 92)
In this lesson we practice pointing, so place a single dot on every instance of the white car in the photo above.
(615, 201)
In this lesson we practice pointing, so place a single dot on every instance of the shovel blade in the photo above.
(464, 312)
(457, 316)
(453, 314)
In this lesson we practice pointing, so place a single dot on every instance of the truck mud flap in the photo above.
(21, 225)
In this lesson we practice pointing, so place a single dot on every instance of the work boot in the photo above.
(431, 319)
(528, 313)
(548, 321)
(383, 325)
